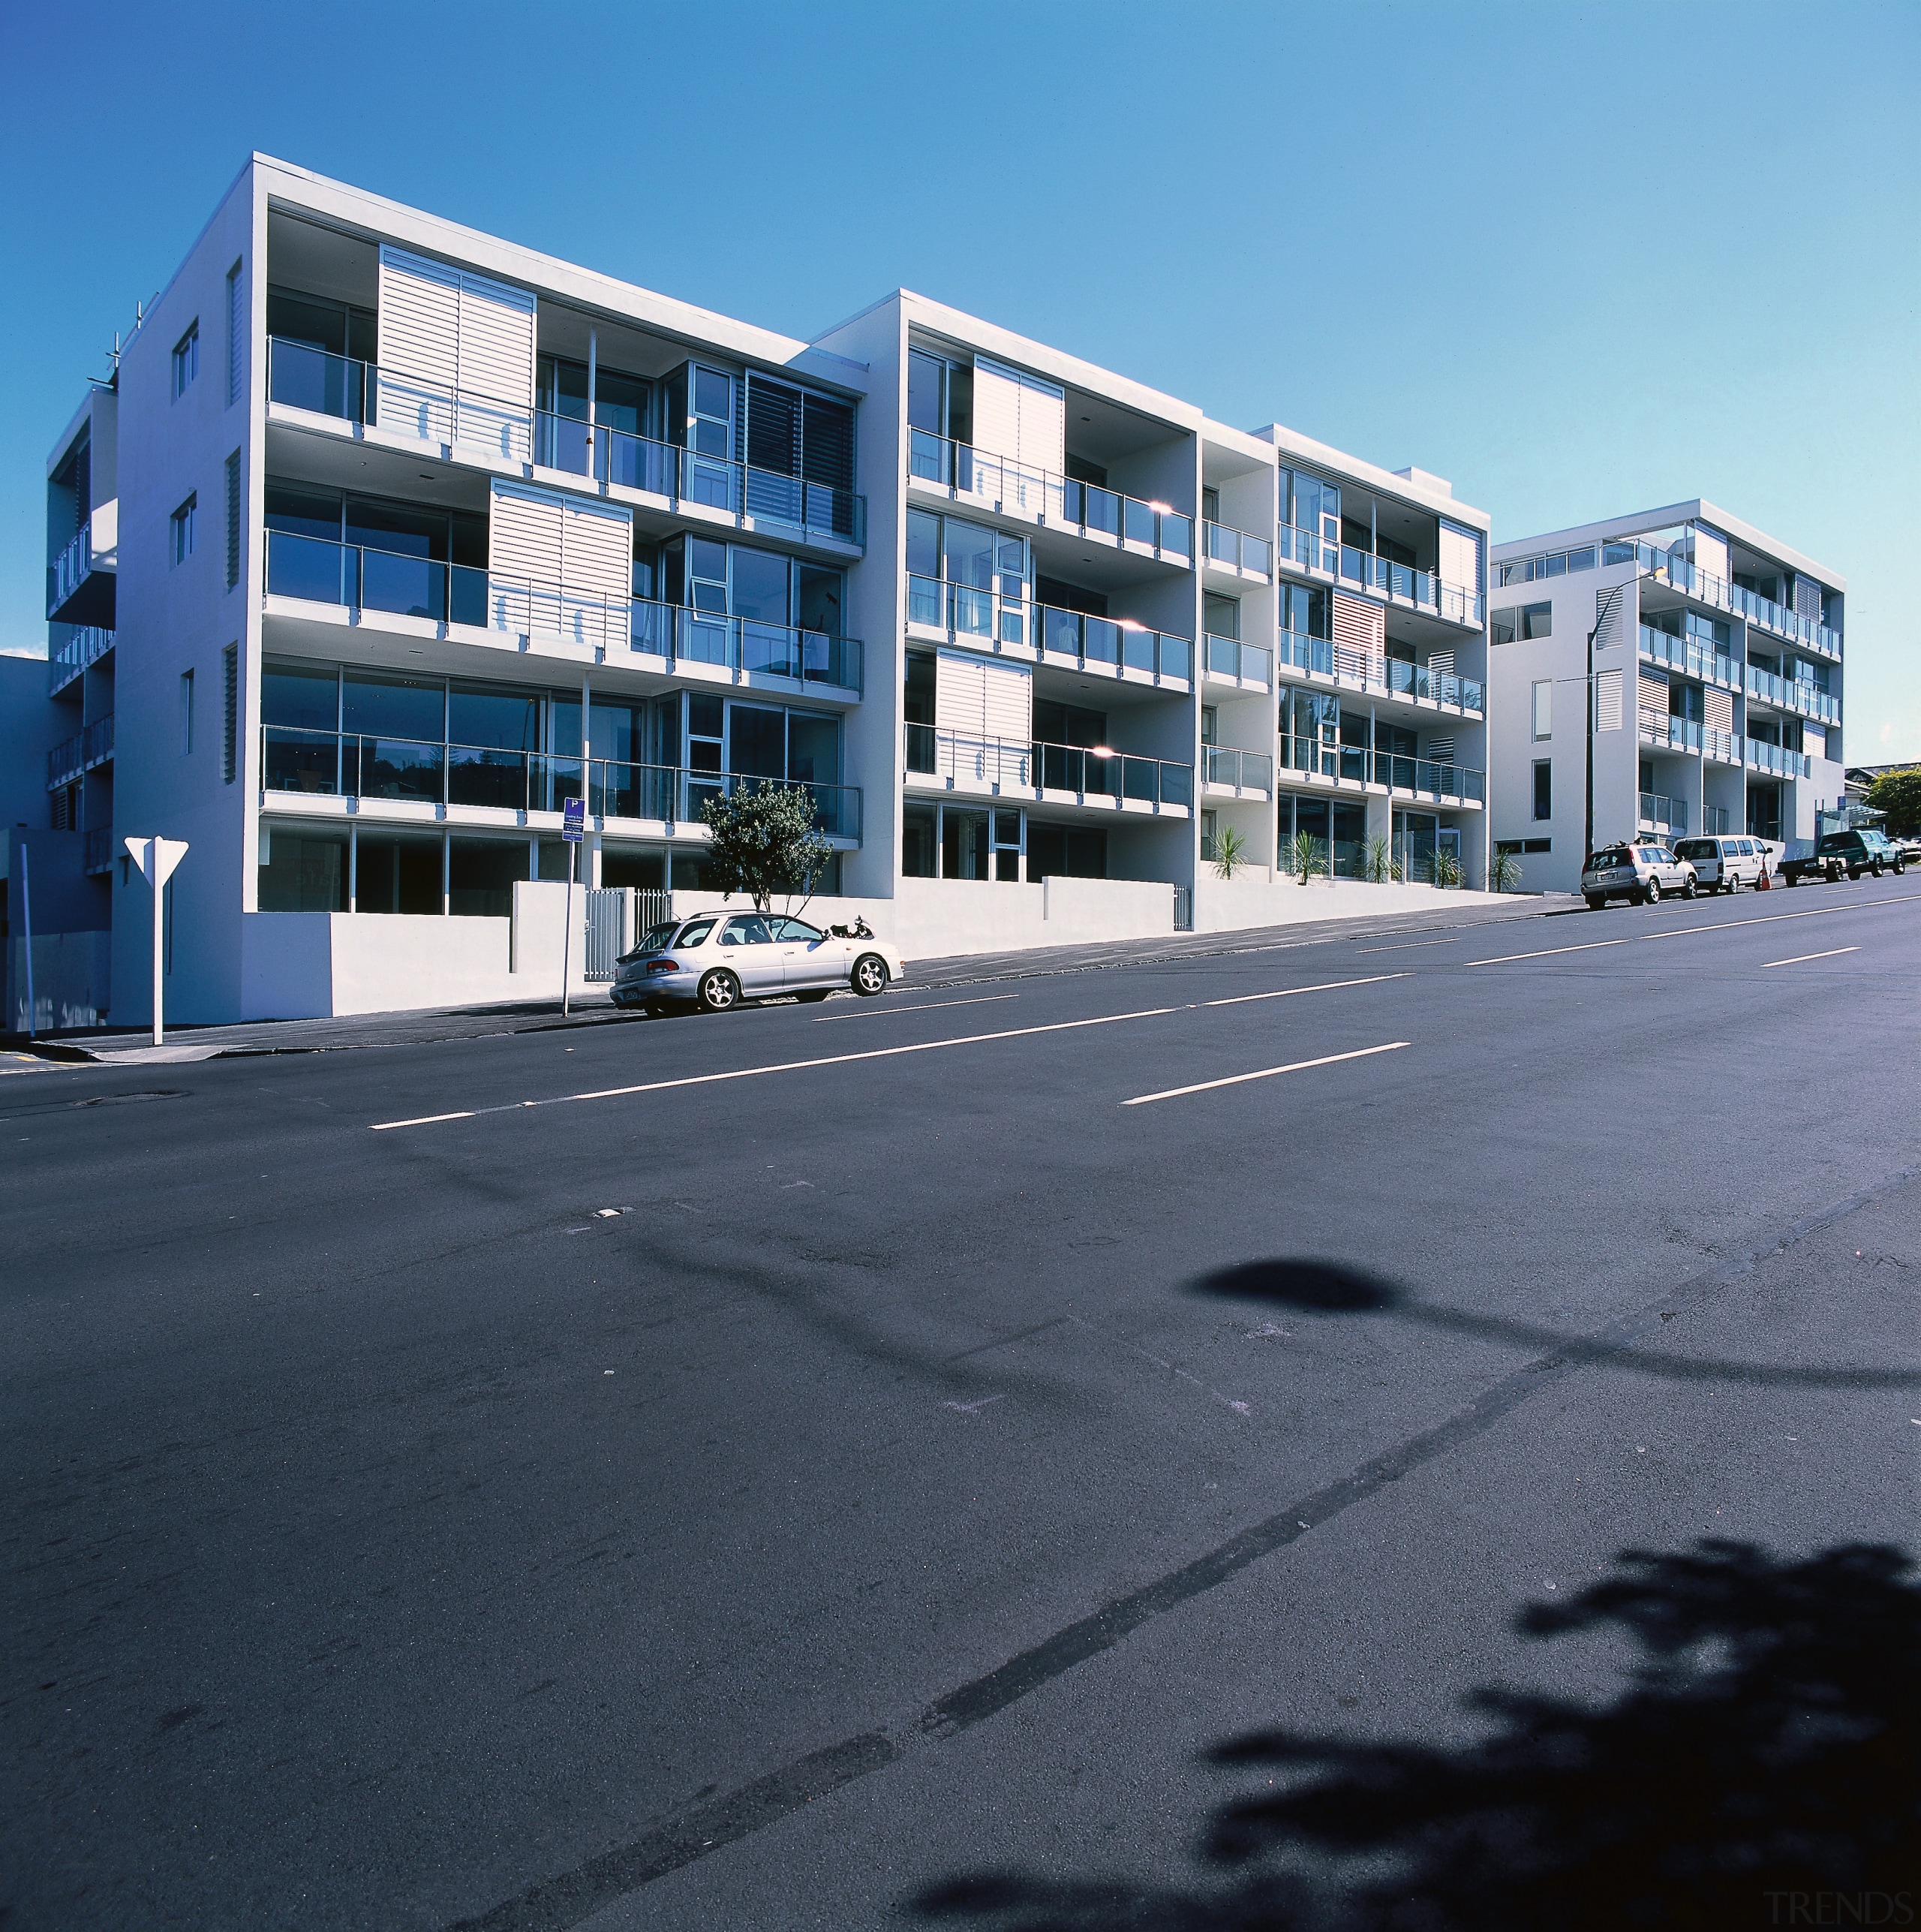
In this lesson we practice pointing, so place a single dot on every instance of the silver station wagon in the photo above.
(716, 960)
(1641, 873)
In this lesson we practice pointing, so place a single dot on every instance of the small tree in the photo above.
(1447, 870)
(1306, 856)
(1382, 867)
(1899, 794)
(1504, 871)
(764, 842)
(1230, 852)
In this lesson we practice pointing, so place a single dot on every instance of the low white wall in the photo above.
(73, 973)
(1228, 905)
(382, 963)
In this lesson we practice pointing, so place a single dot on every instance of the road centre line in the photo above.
(1683, 932)
(877, 1013)
(1801, 959)
(1266, 1073)
(833, 1060)
(1288, 992)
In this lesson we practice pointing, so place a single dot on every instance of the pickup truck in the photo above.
(1853, 852)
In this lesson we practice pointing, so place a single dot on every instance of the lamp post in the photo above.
(1600, 620)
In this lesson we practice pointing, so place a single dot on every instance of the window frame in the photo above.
(181, 531)
(184, 368)
(1544, 791)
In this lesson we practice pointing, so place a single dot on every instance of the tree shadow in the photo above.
(1769, 1742)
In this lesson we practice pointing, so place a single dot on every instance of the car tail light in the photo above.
(663, 965)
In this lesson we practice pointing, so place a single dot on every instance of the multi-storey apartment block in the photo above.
(1713, 653)
(389, 537)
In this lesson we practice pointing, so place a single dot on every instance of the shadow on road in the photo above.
(1312, 1286)
(1767, 1742)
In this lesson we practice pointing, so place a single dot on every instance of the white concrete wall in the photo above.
(1228, 905)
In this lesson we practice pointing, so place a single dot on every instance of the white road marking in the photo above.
(1685, 932)
(889, 1052)
(1287, 992)
(1409, 947)
(1266, 1073)
(1801, 959)
(788, 1066)
(882, 1012)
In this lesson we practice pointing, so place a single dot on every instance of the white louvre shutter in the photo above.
(1607, 701)
(236, 332)
(1814, 740)
(1718, 709)
(1710, 551)
(419, 324)
(1360, 635)
(1653, 702)
(978, 697)
(524, 544)
(1460, 557)
(596, 573)
(1043, 425)
(996, 410)
(496, 331)
(1441, 664)
(1007, 698)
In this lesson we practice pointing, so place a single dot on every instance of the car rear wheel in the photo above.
(1876, 868)
(869, 975)
(719, 992)
(1651, 893)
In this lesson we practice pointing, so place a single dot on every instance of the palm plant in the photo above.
(1230, 852)
(1306, 855)
(1447, 870)
(1503, 872)
(1382, 866)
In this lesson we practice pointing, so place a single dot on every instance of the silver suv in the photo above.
(1640, 873)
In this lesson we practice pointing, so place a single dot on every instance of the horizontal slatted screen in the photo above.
(980, 697)
(1043, 425)
(1359, 627)
(1814, 741)
(827, 442)
(1710, 551)
(524, 535)
(597, 551)
(1808, 599)
(1442, 663)
(1654, 702)
(236, 332)
(419, 318)
(1607, 701)
(1460, 557)
(773, 425)
(1718, 709)
(1441, 750)
(1008, 698)
(996, 409)
(496, 341)
(1610, 617)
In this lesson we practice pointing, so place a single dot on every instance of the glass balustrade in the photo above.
(1244, 771)
(1239, 550)
(349, 765)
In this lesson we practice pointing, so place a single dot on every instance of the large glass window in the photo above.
(302, 871)
(762, 585)
(495, 719)
(814, 748)
(305, 697)
(380, 705)
(757, 742)
(1306, 609)
(397, 872)
(481, 876)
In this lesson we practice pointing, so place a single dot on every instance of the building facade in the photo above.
(389, 537)
(1715, 660)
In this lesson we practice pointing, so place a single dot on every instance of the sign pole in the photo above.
(573, 823)
(156, 857)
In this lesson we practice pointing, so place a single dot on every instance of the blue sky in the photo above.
(1580, 260)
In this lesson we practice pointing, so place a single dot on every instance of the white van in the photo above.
(1725, 864)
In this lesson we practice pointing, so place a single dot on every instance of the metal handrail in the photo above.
(1244, 771)
(348, 764)
(1247, 664)
(92, 745)
(1239, 550)
(1323, 657)
(1036, 765)
(318, 571)
(1024, 490)
(1428, 777)
(86, 647)
(1660, 813)
(516, 433)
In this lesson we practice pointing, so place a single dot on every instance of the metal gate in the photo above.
(606, 929)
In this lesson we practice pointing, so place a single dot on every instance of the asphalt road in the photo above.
(1138, 1448)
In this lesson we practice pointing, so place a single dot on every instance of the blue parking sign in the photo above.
(573, 820)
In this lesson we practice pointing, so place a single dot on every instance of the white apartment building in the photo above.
(387, 538)
(1714, 652)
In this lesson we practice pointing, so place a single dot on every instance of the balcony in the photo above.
(83, 648)
(1308, 551)
(1354, 764)
(97, 850)
(1019, 489)
(80, 753)
(501, 434)
(1693, 657)
(316, 571)
(1679, 574)
(1092, 773)
(1714, 820)
(1795, 694)
(1671, 734)
(968, 615)
(1228, 659)
(1659, 812)
(1763, 757)
(1395, 677)
(1223, 768)
(80, 580)
(348, 765)
(1239, 551)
